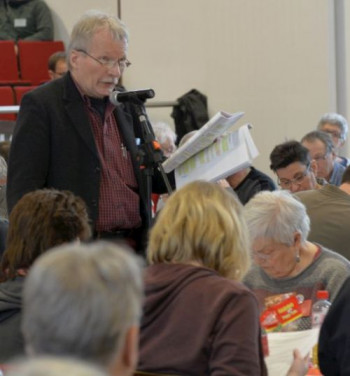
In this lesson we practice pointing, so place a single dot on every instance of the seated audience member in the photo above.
(57, 65)
(337, 126)
(198, 319)
(53, 366)
(3, 183)
(166, 137)
(284, 261)
(295, 170)
(333, 344)
(247, 182)
(39, 221)
(92, 293)
(321, 150)
(5, 149)
(25, 20)
(329, 212)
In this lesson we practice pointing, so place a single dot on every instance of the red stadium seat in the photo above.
(8, 64)
(20, 91)
(33, 58)
(7, 99)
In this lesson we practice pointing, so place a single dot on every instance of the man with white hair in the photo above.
(337, 126)
(83, 143)
(84, 301)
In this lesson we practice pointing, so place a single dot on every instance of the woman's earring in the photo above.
(297, 258)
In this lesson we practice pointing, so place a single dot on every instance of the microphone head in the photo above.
(136, 96)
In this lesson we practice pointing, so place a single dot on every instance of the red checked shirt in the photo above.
(119, 206)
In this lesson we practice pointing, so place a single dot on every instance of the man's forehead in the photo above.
(331, 127)
(314, 146)
(292, 170)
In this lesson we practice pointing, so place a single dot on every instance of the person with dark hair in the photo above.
(295, 170)
(25, 20)
(329, 212)
(40, 220)
(57, 65)
(321, 150)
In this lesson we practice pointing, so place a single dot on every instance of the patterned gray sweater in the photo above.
(328, 272)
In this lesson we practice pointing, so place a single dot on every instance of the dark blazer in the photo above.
(53, 146)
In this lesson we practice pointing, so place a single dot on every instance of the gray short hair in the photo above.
(80, 300)
(324, 137)
(276, 215)
(52, 366)
(163, 131)
(335, 119)
(89, 23)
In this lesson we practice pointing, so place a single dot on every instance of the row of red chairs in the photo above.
(29, 66)
(11, 96)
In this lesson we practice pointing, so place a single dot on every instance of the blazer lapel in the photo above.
(77, 113)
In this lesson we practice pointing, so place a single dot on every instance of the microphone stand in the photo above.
(150, 155)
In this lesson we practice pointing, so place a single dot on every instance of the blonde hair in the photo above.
(202, 223)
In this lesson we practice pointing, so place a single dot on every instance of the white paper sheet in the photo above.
(229, 154)
(205, 136)
(281, 346)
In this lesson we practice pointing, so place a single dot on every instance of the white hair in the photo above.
(52, 366)
(163, 131)
(334, 119)
(276, 215)
(80, 300)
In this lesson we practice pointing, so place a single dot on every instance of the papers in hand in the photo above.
(207, 156)
(205, 136)
(281, 346)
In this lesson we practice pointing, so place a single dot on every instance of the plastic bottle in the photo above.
(318, 314)
(320, 308)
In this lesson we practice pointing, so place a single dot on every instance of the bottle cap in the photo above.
(322, 294)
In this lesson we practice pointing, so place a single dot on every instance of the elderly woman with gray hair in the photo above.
(284, 261)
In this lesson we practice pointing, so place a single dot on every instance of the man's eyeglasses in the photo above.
(286, 184)
(109, 63)
(321, 157)
(334, 134)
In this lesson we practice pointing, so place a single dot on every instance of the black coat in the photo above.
(53, 146)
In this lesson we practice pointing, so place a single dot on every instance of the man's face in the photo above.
(297, 177)
(94, 79)
(324, 160)
(335, 132)
(60, 69)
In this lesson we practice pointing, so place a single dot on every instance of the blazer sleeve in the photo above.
(29, 153)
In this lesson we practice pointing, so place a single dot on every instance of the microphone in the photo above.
(117, 97)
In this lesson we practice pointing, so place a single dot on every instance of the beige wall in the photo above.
(272, 59)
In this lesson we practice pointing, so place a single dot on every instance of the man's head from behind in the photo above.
(57, 65)
(85, 301)
(292, 164)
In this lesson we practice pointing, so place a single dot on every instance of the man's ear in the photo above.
(51, 73)
(130, 349)
(125, 362)
(313, 167)
(73, 57)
